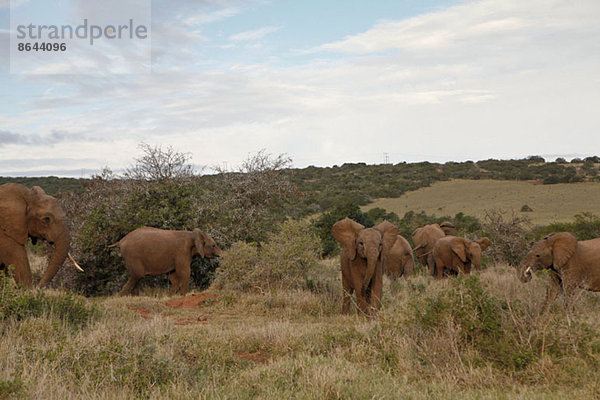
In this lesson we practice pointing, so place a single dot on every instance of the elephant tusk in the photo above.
(528, 271)
(74, 262)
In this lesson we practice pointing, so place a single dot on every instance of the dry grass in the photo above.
(295, 344)
(550, 203)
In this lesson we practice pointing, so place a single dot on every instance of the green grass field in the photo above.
(550, 203)
(432, 339)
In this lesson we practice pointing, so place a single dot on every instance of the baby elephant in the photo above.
(152, 251)
(457, 253)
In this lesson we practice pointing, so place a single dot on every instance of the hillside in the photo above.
(550, 203)
(324, 187)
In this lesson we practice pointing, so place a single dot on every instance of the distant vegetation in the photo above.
(325, 187)
(51, 184)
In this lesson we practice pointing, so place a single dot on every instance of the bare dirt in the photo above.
(191, 301)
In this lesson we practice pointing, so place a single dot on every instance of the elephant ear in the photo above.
(389, 234)
(199, 241)
(346, 232)
(563, 246)
(458, 248)
(13, 212)
(38, 190)
(484, 243)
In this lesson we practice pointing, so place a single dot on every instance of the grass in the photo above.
(550, 203)
(295, 344)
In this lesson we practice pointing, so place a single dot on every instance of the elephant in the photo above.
(31, 213)
(400, 261)
(449, 228)
(364, 251)
(457, 253)
(424, 239)
(153, 251)
(572, 264)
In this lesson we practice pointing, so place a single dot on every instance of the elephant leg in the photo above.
(431, 264)
(182, 275)
(361, 300)
(553, 290)
(130, 285)
(347, 296)
(459, 267)
(15, 255)
(174, 282)
(439, 264)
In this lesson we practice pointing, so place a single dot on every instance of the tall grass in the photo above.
(483, 336)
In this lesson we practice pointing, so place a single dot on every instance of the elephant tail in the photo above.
(419, 247)
(114, 245)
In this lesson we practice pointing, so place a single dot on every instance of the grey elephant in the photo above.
(456, 254)
(363, 253)
(31, 213)
(152, 251)
(400, 260)
(424, 239)
(572, 264)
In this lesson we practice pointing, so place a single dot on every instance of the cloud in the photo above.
(472, 23)
(483, 79)
(208, 17)
(7, 137)
(254, 34)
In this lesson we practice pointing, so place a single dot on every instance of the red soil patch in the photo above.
(258, 356)
(191, 320)
(144, 312)
(191, 301)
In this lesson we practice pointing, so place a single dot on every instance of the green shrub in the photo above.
(478, 317)
(236, 267)
(283, 262)
(245, 205)
(11, 388)
(18, 304)
(323, 224)
(585, 226)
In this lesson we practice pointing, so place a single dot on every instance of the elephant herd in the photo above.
(367, 253)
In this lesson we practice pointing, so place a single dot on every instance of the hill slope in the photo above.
(550, 203)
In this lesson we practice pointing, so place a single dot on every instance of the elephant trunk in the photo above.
(372, 262)
(61, 250)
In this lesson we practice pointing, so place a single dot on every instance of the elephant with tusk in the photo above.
(31, 213)
(572, 263)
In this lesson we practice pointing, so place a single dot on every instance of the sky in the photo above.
(322, 81)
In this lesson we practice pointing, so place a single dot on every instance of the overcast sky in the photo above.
(324, 81)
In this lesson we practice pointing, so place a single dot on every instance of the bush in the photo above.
(509, 236)
(162, 192)
(111, 208)
(476, 321)
(526, 208)
(283, 262)
(18, 304)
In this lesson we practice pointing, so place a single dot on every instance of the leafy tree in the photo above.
(324, 223)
